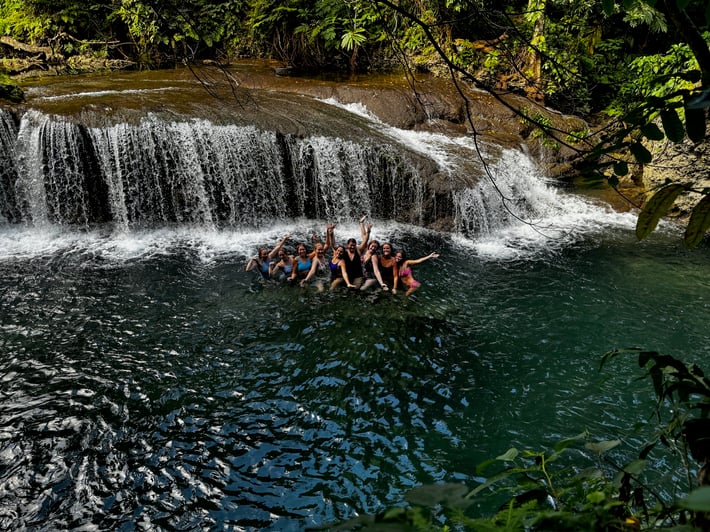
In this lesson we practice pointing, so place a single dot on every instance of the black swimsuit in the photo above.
(353, 266)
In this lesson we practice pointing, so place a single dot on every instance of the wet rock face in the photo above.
(685, 162)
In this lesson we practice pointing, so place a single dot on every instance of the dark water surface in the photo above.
(149, 382)
(164, 387)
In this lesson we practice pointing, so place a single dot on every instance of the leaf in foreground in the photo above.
(657, 207)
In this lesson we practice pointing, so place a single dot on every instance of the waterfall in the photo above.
(161, 172)
(194, 172)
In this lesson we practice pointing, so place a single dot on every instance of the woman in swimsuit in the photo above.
(301, 263)
(405, 270)
(389, 271)
(262, 261)
(319, 269)
(338, 273)
(284, 267)
(352, 256)
(371, 267)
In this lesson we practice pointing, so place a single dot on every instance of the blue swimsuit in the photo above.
(302, 268)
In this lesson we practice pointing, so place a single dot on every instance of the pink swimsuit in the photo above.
(413, 283)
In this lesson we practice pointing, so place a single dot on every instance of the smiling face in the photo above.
(339, 252)
(301, 249)
(386, 250)
(399, 256)
(374, 246)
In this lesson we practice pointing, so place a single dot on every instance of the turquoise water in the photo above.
(149, 381)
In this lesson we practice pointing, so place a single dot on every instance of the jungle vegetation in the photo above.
(639, 68)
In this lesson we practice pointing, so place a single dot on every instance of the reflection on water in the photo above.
(170, 389)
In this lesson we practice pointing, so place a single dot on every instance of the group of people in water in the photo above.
(366, 266)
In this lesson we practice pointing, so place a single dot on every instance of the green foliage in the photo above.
(699, 222)
(540, 124)
(576, 484)
(9, 90)
(657, 207)
(656, 76)
(18, 19)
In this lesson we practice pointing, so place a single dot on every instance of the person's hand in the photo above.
(385, 287)
(351, 286)
(433, 255)
(394, 290)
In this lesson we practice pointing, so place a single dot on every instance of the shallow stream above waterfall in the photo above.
(149, 382)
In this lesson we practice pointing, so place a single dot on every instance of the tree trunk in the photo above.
(533, 63)
(688, 31)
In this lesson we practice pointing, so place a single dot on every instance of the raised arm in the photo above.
(253, 263)
(365, 230)
(414, 262)
(276, 249)
(329, 237)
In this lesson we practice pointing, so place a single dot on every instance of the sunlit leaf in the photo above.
(672, 125)
(635, 468)
(450, 494)
(697, 500)
(695, 124)
(640, 153)
(510, 455)
(596, 497)
(698, 224)
(656, 208)
(602, 446)
(562, 445)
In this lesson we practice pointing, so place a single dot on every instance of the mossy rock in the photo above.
(11, 92)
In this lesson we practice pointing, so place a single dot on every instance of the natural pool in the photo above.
(148, 381)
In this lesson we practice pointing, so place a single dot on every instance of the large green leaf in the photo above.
(657, 207)
(697, 500)
(621, 168)
(699, 223)
(652, 132)
(672, 125)
(695, 124)
(608, 6)
(602, 446)
(640, 153)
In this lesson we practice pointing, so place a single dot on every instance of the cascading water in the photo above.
(194, 172)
